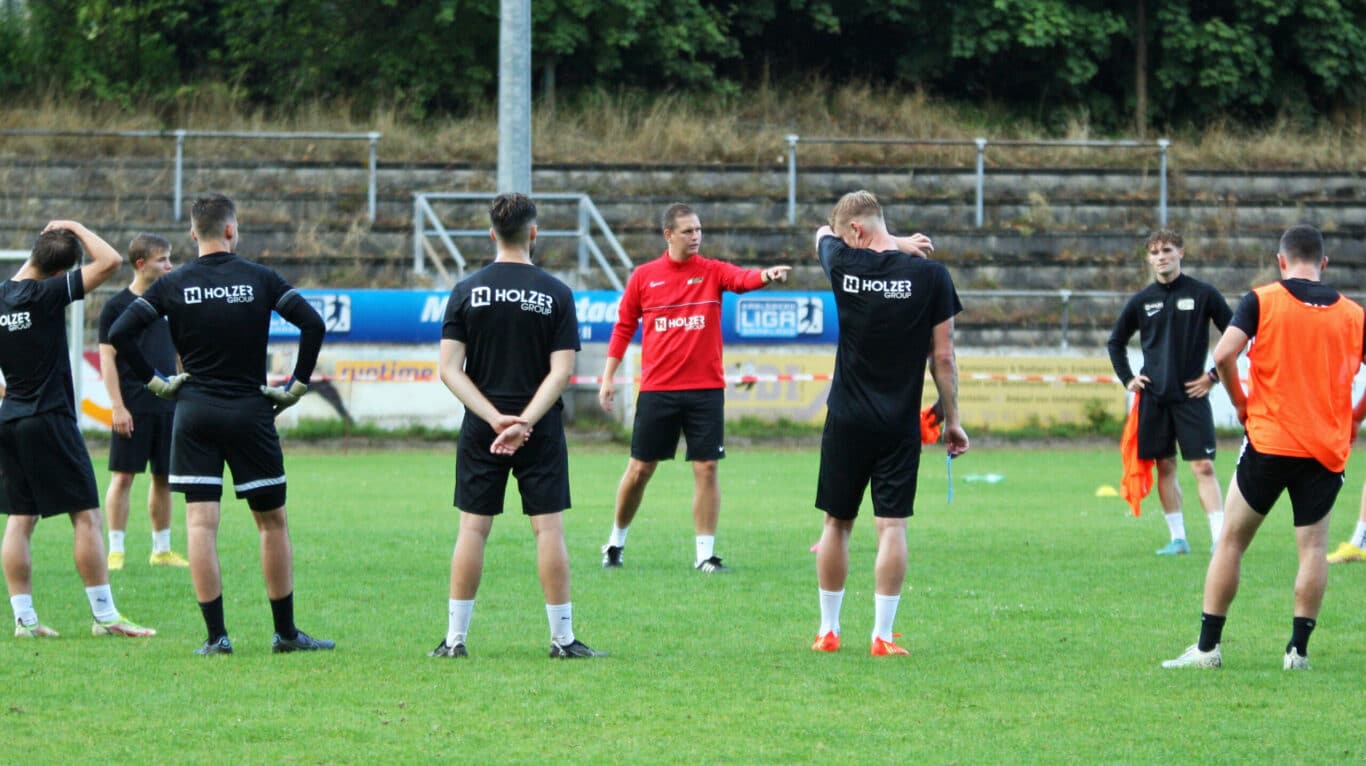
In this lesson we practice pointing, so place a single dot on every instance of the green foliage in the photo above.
(1048, 59)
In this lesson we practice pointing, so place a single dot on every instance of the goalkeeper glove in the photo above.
(286, 394)
(165, 387)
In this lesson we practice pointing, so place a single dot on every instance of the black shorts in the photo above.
(150, 443)
(541, 467)
(852, 456)
(47, 469)
(699, 415)
(1313, 489)
(1164, 425)
(237, 430)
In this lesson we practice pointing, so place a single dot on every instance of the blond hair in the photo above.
(854, 205)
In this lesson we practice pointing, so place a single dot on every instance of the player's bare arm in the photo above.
(452, 364)
(122, 419)
(104, 259)
(915, 244)
(944, 370)
(1226, 355)
(775, 274)
(607, 391)
(561, 368)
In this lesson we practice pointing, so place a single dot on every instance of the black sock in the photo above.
(282, 609)
(1211, 631)
(1300, 629)
(213, 618)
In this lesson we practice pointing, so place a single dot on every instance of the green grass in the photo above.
(1035, 612)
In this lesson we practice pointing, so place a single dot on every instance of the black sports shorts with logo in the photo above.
(46, 467)
(541, 467)
(1261, 478)
(853, 456)
(699, 415)
(150, 442)
(1164, 425)
(240, 431)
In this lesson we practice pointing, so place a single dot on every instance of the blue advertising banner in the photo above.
(414, 316)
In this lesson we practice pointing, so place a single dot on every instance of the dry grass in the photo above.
(605, 126)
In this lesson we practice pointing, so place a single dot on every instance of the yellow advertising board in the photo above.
(1000, 392)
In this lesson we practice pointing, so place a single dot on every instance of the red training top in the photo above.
(680, 303)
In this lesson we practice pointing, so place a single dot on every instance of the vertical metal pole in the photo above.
(791, 179)
(583, 235)
(179, 172)
(419, 266)
(1162, 145)
(514, 97)
(374, 172)
(981, 173)
(1066, 304)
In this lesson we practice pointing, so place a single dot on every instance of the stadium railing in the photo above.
(427, 223)
(180, 135)
(1161, 145)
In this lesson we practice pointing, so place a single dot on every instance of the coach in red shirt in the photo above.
(682, 384)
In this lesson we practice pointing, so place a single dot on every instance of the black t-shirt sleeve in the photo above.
(828, 249)
(294, 309)
(1247, 315)
(1118, 344)
(946, 305)
(567, 323)
(108, 314)
(453, 325)
(1219, 312)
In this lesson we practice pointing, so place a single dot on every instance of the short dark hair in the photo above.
(145, 246)
(1302, 243)
(1164, 236)
(210, 214)
(511, 216)
(674, 212)
(56, 251)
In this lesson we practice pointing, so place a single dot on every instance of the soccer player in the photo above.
(1172, 318)
(682, 383)
(142, 422)
(46, 468)
(219, 309)
(1307, 345)
(1354, 549)
(508, 343)
(895, 313)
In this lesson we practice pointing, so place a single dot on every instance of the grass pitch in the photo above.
(1035, 612)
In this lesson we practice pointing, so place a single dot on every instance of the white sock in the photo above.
(561, 618)
(884, 614)
(831, 601)
(1359, 536)
(115, 541)
(23, 609)
(458, 622)
(101, 600)
(618, 537)
(706, 547)
(1216, 525)
(1176, 522)
(161, 541)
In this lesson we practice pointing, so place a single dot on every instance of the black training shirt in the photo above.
(1249, 310)
(889, 304)
(1172, 322)
(34, 356)
(511, 316)
(156, 346)
(219, 309)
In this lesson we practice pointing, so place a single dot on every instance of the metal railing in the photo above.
(180, 135)
(981, 144)
(427, 223)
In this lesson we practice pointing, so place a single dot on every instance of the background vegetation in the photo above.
(1167, 63)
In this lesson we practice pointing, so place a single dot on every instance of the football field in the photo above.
(1035, 612)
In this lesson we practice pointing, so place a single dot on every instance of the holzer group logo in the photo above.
(19, 320)
(227, 294)
(529, 300)
(892, 289)
(694, 322)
